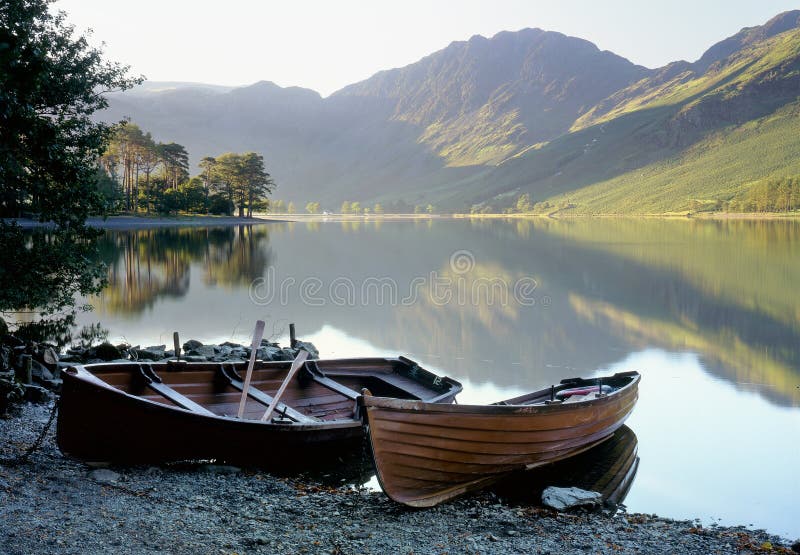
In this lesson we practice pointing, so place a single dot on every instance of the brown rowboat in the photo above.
(150, 413)
(426, 453)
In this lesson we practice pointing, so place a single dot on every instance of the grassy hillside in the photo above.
(718, 167)
(483, 121)
(672, 140)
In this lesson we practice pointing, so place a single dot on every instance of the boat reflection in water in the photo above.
(608, 468)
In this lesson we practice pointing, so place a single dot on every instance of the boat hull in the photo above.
(425, 454)
(98, 424)
(157, 413)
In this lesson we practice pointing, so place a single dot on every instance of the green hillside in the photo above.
(476, 125)
(672, 142)
(717, 168)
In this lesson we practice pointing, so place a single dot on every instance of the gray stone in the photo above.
(203, 350)
(220, 469)
(50, 356)
(149, 353)
(36, 394)
(107, 351)
(562, 499)
(40, 371)
(191, 344)
(268, 353)
(53, 385)
(104, 476)
(194, 358)
(309, 347)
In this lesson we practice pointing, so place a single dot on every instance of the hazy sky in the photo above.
(324, 45)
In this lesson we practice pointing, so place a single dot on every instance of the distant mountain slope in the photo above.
(483, 100)
(483, 121)
(677, 136)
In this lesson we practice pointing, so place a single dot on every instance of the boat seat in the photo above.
(579, 398)
(154, 382)
(256, 394)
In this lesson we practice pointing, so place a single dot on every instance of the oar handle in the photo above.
(298, 362)
(258, 333)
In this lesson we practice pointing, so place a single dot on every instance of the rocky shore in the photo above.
(50, 504)
(29, 370)
(54, 505)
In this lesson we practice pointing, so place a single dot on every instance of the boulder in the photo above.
(269, 353)
(194, 358)
(36, 394)
(191, 344)
(150, 353)
(49, 356)
(40, 372)
(309, 347)
(203, 350)
(104, 476)
(107, 351)
(563, 499)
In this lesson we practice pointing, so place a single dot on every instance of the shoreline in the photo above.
(146, 222)
(56, 505)
(123, 223)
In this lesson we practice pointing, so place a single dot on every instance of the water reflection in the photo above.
(725, 290)
(148, 265)
(707, 311)
(608, 468)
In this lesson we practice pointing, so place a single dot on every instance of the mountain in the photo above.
(480, 101)
(485, 120)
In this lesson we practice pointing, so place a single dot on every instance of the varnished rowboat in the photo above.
(426, 453)
(132, 413)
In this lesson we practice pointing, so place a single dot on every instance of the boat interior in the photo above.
(322, 390)
(574, 390)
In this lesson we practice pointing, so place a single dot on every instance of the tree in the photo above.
(258, 183)
(355, 207)
(312, 208)
(430, 209)
(149, 160)
(207, 165)
(524, 203)
(176, 164)
(290, 208)
(377, 209)
(278, 206)
(345, 209)
(51, 83)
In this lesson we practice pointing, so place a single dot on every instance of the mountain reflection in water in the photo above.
(707, 311)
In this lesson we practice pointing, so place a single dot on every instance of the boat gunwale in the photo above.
(83, 372)
(87, 377)
(390, 403)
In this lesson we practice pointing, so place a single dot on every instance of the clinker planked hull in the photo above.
(425, 454)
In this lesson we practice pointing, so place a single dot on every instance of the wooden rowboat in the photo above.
(426, 453)
(132, 413)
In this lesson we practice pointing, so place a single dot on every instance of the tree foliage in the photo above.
(51, 82)
(50, 85)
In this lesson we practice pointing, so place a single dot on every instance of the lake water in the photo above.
(708, 312)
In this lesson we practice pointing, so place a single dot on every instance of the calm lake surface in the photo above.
(708, 312)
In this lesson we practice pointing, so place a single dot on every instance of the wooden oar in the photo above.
(298, 362)
(258, 333)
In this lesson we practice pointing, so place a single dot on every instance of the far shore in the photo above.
(125, 222)
(145, 222)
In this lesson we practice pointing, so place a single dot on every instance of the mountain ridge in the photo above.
(485, 119)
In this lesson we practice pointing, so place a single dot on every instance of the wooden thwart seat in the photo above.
(153, 382)
(178, 398)
(263, 398)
